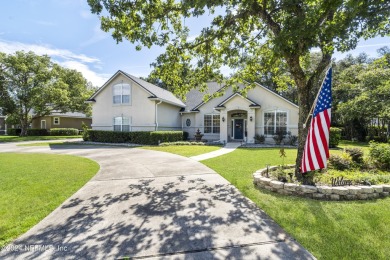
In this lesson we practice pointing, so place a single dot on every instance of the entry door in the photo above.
(239, 129)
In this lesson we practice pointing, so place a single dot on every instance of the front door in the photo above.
(239, 129)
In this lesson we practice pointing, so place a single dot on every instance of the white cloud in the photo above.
(86, 14)
(98, 35)
(64, 57)
(96, 78)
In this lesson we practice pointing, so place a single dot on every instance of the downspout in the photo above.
(156, 118)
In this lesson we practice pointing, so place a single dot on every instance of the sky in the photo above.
(70, 34)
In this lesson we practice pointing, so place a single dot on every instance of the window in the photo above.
(188, 122)
(121, 94)
(274, 122)
(121, 124)
(211, 124)
(56, 121)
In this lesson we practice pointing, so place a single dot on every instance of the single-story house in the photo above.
(127, 103)
(61, 120)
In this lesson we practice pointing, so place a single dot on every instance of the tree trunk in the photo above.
(23, 125)
(304, 103)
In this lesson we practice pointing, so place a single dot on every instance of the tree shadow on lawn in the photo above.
(149, 217)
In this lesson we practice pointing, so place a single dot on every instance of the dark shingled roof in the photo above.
(194, 98)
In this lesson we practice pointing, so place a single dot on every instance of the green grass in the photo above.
(329, 230)
(184, 150)
(33, 185)
(10, 138)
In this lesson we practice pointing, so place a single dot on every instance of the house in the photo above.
(61, 120)
(127, 103)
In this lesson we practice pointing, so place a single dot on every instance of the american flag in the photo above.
(316, 150)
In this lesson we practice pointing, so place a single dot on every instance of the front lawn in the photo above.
(184, 150)
(329, 230)
(33, 185)
(10, 138)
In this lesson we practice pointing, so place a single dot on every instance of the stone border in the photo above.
(318, 192)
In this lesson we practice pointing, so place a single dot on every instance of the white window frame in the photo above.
(54, 121)
(212, 124)
(121, 85)
(122, 125)
(275, 111)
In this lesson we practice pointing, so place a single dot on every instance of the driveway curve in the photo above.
(153, 205)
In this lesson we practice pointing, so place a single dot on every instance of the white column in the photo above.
(251, 125)
(223, 135)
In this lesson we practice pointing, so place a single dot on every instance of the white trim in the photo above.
(276, 110)
(45, 124)
(54, 120)
(234, 95)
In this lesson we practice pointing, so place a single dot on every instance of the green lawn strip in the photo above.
(8, 138)
(33, 185)
(184, 150)
(329, 230)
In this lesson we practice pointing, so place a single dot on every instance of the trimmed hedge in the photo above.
(140, 137)
(37, 132)
(334, 137)
(63, 131)
(14, 131)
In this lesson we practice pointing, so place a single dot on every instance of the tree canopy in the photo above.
(30, 83)
(242, 33)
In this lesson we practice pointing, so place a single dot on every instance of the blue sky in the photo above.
(68, 32)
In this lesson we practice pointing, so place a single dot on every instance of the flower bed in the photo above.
(318, 192)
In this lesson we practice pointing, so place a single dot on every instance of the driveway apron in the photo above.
(153, 205)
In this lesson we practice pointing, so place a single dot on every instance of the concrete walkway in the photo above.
(153, 205)
(228, 148)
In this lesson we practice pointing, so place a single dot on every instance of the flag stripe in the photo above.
(316, 150)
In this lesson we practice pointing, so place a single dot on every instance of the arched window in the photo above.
(121, 93)
(274, 122)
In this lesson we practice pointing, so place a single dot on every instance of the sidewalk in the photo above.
(228, 148)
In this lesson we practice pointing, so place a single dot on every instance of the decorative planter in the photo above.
(318, 192)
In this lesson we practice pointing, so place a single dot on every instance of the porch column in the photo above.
(251, 125)
(223, 134)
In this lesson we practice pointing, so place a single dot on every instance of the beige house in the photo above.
(127, 103)
(61, 120)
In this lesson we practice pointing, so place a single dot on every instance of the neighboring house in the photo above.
(127, 103)
(2, 123)
(61, 120)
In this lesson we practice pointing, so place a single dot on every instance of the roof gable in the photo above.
(235, 94)
(154, 91)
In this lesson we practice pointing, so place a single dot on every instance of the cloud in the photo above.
(65, 58)
(372, 45)
(96, 78)
(86, 14)
(98, 35)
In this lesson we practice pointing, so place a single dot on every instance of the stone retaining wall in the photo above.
(319, 192)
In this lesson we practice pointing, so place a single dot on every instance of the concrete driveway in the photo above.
(154, 205)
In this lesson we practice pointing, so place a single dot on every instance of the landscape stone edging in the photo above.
(319, 192)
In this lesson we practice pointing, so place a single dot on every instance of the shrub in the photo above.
(278, 137)
(334, 137)
(340, 163)
(63, 131)
(380, 155)
(356, 154)
(14, 131)
(259, 139)
(158, 137)
(291, 139)
(37, 132)
(140, 137)
(85, 132)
